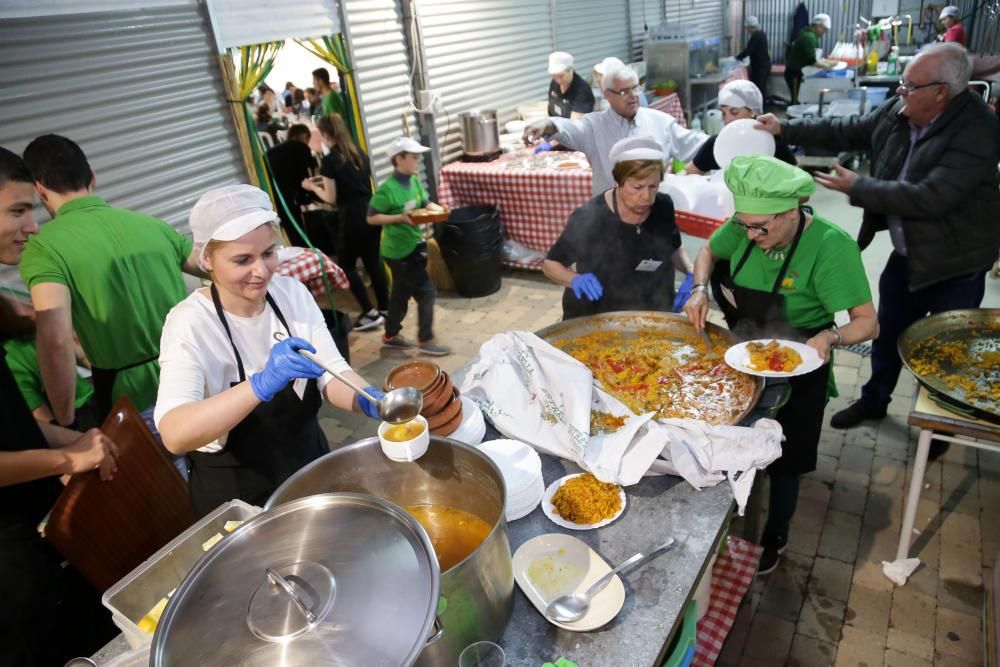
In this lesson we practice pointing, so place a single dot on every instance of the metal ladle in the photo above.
(396, 407)
(569, 608)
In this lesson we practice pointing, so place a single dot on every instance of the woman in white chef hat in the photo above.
(619, 250)
(737, 100)
(240, 404)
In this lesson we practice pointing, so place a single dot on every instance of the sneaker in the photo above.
(769, 560)
(369, 320)
(396, 342)
(433, 349)
(855, 413)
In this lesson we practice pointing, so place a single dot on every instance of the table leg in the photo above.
(913, 497)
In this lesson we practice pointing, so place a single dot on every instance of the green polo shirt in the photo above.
(333, 103)
(23, 361)
(803, 51)
(393, 198)
(123, 272)
(824, 277)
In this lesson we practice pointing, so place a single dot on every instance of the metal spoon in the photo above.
(397, 407)
(569, 608)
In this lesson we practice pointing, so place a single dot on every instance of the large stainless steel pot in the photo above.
(480, 134)
(477, 593)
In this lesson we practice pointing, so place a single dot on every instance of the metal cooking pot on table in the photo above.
(669, 326)
(480, 133)
(317, 581)
(477, 593)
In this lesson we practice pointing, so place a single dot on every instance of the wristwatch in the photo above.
(836, 332)
(701, 287)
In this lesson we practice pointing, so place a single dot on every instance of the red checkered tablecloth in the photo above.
(731, 578)
(736, 74)
(534, 204)
(307, 269)
(670, 104)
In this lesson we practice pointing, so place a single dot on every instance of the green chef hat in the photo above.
(762, 184)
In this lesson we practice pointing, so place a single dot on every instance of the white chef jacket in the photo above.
(597, 132)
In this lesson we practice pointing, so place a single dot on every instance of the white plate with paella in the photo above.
(772, 357)
(582, 498)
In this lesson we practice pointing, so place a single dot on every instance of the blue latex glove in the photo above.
(367, 407)
(587, 285)
(683, 293)
(541, 148)
(284, 365)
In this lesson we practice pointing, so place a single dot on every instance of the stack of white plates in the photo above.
(522, 474)
(473, 426)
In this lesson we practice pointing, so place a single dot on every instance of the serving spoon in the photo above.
(396, 407)
(569, 608)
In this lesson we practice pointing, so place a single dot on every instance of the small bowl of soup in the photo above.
(405, 442)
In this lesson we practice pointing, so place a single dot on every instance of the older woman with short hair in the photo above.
(619, 250)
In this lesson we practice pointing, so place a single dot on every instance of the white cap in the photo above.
(404, 145)
(559, 61)
(227, 213)
(950, 10)
(608, 63)
(752, 22)
(636, 148)
(823, 20)
(742, 93)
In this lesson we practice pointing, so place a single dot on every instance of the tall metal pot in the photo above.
(477, 594)
(480, 133)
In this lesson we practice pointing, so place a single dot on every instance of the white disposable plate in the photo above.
(473, 426)
(551, 565)
(550, 511)
(739, 358)
(519, 463)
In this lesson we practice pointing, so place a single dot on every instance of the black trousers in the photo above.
(794, 80)
(359, 240)
(410, 279)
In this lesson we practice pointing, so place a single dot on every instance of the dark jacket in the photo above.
(760, 58)
(949, 202)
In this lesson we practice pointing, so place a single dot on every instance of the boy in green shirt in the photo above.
(404, 249)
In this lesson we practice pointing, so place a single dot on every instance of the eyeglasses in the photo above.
(908, 88)
(634, 90)
(757, 229)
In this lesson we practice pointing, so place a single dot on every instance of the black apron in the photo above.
(756, 314)
(104, 385)
(271, 443)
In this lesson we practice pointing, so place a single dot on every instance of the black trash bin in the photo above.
(471, 243)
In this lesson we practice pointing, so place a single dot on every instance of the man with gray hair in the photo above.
(756, 50)
(597, 132)
(933, 186)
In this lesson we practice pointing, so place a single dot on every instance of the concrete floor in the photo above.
(828, 602)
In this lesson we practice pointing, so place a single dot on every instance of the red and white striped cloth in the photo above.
(731, 579)
(670, 104)
(534, 204)
(307, 269)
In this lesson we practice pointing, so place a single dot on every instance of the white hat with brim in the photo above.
(607, 64)
(823, 20)
(227, 213)
(405, 145)
(559, 61)
(636, 148)
(950, 10)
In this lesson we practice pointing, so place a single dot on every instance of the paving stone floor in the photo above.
(828, 602)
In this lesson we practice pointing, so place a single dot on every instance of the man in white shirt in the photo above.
(597, 132)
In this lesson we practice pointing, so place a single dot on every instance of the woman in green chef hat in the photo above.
(789, 272)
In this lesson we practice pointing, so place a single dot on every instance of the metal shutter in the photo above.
(645, 14)
(375, 30)
(705, 16)
(776, 20)
(484, 55)
(592, 30)
(245, 22)
(140, 91)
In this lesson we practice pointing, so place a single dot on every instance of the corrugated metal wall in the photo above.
(644, 15)
(776, 20)
(244, 22)
(705, 16)
(592, 30)
(375, 28)
(488, 55)
(140, 91)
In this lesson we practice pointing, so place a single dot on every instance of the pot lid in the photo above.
(314, 581)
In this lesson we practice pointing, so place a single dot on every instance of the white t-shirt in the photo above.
(197, 360)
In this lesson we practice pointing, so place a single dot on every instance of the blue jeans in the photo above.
(898, 308)
(180, 460)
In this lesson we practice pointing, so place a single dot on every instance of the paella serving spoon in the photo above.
(569, 608)
(396, 407)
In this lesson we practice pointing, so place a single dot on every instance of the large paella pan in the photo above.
(655, 361)
(956, 355)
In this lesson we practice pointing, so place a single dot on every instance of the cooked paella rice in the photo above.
(773, 356)
(586, 500)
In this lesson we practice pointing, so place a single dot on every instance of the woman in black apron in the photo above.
(790, 273)
(619, 250)
(243, 407)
